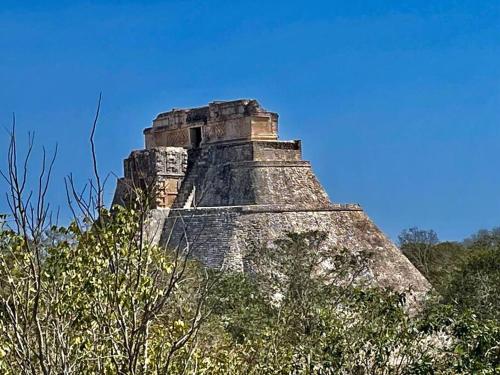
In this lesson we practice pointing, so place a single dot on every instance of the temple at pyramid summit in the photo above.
(225, 183)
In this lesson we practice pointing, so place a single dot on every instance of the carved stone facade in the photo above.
(158, 170)
(222, 169)
(241, 120)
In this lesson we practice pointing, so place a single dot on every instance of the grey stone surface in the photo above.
(158, 170)
(251, 173)
(232, 194)
(223, 237)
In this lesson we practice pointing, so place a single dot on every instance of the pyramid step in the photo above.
(190, 199)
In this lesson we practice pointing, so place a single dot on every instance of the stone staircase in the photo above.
(197, 166)
(191, 199)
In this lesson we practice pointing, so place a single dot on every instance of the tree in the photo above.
(98, 297)
(418, 245)
(311, 312)
(484, 239)
(416, 236)
(93, 297)
(474, 285)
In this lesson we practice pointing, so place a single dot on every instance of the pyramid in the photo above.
(224, 184)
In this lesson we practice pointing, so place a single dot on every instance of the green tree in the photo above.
(484, 239)
(418, 246)
(311, 309)
(95, 297)
(474, 285)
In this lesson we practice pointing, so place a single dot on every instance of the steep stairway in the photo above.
(197, 166)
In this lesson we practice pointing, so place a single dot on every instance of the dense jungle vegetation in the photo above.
(96, 297)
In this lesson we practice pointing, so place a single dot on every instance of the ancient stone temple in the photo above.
(224, 183)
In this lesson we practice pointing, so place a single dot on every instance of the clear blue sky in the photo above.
(398, 105)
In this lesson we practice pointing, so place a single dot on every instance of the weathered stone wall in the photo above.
(249, 189)
(208, 233)
(251, 173)
(285, 183)
(160, 137)
(158, 171)
(224, 237)
(283, 151)
(219, 122)
(159, 161)
(350, 229)
(259, 183)
(253, 151)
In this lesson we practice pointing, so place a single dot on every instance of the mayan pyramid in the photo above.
(223, 181)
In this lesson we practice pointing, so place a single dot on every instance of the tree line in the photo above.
(96, 296)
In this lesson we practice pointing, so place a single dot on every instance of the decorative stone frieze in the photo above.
(218, 122)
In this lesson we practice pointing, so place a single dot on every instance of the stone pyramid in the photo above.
(224, 183)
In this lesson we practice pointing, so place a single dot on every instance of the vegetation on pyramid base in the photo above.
(100, 300)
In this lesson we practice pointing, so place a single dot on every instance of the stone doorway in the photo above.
(195, 137)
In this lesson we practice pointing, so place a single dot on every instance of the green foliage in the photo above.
(315, 320)
(466, 277)
(473, 344)
(111, 303)
(434, 259)
(100, 300)
(475, 284)
(484, 239)
(436, 262)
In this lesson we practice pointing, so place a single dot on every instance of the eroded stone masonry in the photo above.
(225, 184)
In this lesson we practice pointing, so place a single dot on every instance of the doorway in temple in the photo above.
(195, 137)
